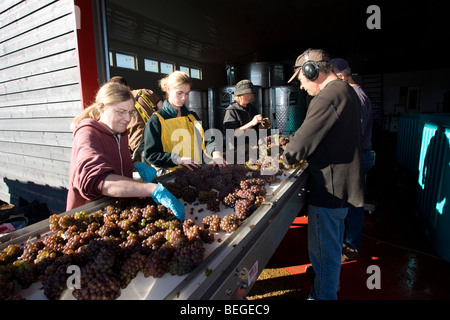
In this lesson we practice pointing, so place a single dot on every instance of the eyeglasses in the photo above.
(122, 112)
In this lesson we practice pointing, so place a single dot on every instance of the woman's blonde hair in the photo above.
(175, 80)
(109, 94)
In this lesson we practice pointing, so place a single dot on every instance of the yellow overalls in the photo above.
(177, 135)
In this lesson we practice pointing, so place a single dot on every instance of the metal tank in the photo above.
(287, 108)
(220, 98)
(262, 74)
(198, 102)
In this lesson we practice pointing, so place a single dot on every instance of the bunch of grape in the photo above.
(175, 238)
(196, 181)
(44, 255)
(205, 196)
(149, 230)
(245, 194)
(243, 208)
(31, 249)
(110, 210)
(150, 212)
(175, 189)
(186, 258)
(155, 241)
(66, 221)
(55, 242)
(258, 201)
(206, 235)
(132, 240)
(181, 181)
(247, 183)
(90, 231)
(189, 194)
(130, 267)
(108, 229)
(188, 224)
(229, 223)
(97, 286)
(53, 222)
(105, 258)
(258, 190)
(194, 232)
(212, 223)
(10, 254)
(99, 278)
(213, 204)
(218, 182)
(54, 279)
(230, 200)
(223, 193)
(157, 262)
(126, 225)
(96, 217)
(6, 282)
(25, 273)
(164, 224)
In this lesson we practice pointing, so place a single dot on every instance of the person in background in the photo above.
(242, 115)
(146, 103)
(330, 140)
(173, 135)
(101, 163)
(355, 216)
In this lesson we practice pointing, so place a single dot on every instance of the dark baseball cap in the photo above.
(316, 55)
(339, 64)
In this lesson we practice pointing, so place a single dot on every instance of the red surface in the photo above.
(405, 273)
(87, 62)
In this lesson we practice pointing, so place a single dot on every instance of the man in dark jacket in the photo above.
(330, 140)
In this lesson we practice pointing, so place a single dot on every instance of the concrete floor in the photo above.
(393, 243)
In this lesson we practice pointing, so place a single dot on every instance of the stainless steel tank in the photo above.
(287, 108)
(198, 102)
(262, 74)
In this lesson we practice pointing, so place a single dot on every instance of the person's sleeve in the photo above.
(91, 164)
(152, 96)
(320, 118)
(153, 149)
(230, 120)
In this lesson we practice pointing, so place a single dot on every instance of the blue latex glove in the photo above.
(162, 196)
(146, 172)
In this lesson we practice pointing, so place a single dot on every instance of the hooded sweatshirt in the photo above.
(96, 153)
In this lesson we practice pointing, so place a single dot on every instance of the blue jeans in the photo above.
(353, 227)
(355, 218)
(325, 239)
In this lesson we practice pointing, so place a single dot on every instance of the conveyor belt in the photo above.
(234, 261)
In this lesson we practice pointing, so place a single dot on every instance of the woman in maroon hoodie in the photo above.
(101, 163)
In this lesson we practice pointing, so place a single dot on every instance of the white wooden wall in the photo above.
(39, 96)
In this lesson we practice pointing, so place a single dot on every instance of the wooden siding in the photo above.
(39, 96)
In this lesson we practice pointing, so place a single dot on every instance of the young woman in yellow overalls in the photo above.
(173, 135)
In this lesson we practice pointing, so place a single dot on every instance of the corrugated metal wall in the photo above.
(423, 147)
(433, 187)
(39, 96)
